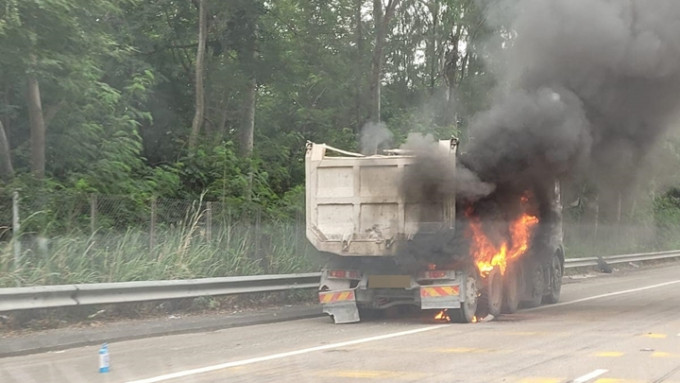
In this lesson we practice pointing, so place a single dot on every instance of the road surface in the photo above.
(619, 328)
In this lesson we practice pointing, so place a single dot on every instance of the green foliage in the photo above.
(238, 248)
(667, 218)
(117, 90)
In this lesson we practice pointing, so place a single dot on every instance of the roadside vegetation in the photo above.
(121, 120)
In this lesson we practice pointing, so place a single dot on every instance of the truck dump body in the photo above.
(356, 205)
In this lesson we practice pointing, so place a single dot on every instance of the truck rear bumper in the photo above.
(440, 297)
(426, 297)
(341, 305)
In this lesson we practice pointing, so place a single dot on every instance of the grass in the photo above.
(175, 253)
(585, 241)
(187, 248)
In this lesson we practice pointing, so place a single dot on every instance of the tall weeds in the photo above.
(178, 252)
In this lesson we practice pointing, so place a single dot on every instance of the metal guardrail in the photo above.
(624, 258)
(22, 298)
(40, 297)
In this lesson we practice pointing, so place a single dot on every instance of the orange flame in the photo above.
(487, 255)
(442, 315)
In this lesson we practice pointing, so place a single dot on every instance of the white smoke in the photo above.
(374, 136)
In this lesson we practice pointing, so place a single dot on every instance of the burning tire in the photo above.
(511, 290)
(491, 297)
(535, 284)
(556, 272)
(467, 310)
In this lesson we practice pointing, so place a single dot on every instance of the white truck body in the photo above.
(355, 204)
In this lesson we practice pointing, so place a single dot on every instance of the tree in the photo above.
(6, 168)
(37, 123)
(381, 22)
(79, 88)
(247, 133)
(127, 88)
(200, 91)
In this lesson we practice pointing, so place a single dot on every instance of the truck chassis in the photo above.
(349, 294)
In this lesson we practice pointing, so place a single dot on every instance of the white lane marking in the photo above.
(589, 376)
(201, 370)
(222, 366)
(603, 296)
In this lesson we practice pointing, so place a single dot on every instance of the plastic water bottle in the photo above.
(104, 358)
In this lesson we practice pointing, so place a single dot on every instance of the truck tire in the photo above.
(511, 290)
(491, 298)
(535, 283)
(467, 310)
(555, 285)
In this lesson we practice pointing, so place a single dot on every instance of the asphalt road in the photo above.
(619, 328)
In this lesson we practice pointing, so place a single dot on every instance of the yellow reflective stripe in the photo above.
(439, 291)
(325, 298)
(337, 296)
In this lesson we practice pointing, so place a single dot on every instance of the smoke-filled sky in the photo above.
(585, 90)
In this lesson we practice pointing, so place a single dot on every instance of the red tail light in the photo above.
(344, 274)
(434, 274)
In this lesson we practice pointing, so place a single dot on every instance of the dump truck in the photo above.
(377, 239)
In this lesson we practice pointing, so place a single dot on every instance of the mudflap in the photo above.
(341, 305)
(440, 297)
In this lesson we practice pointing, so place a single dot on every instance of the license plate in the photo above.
(389, 281)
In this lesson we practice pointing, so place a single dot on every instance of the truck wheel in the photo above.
(491, 298)
(511, 288)
(535, 286)
(467, 310)
(555, 280)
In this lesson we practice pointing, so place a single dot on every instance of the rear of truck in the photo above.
(358, 214)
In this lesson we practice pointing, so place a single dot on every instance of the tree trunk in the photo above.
(37, 126)
(222, 123)
(380, 21)
(200, 91)
(6, 101)
(376, 62)
(451, 65)
(6, 168)
(464, 67)
(432, 48)
(248, 120)
(247, 132)
(358, 69)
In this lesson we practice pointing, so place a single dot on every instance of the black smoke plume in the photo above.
(586, 88)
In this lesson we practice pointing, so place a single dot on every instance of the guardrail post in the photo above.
(258, 239)
(209, 218)
(93, 213)
(299, 233)
(596, 245)
(152, 225)
(16, 229)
